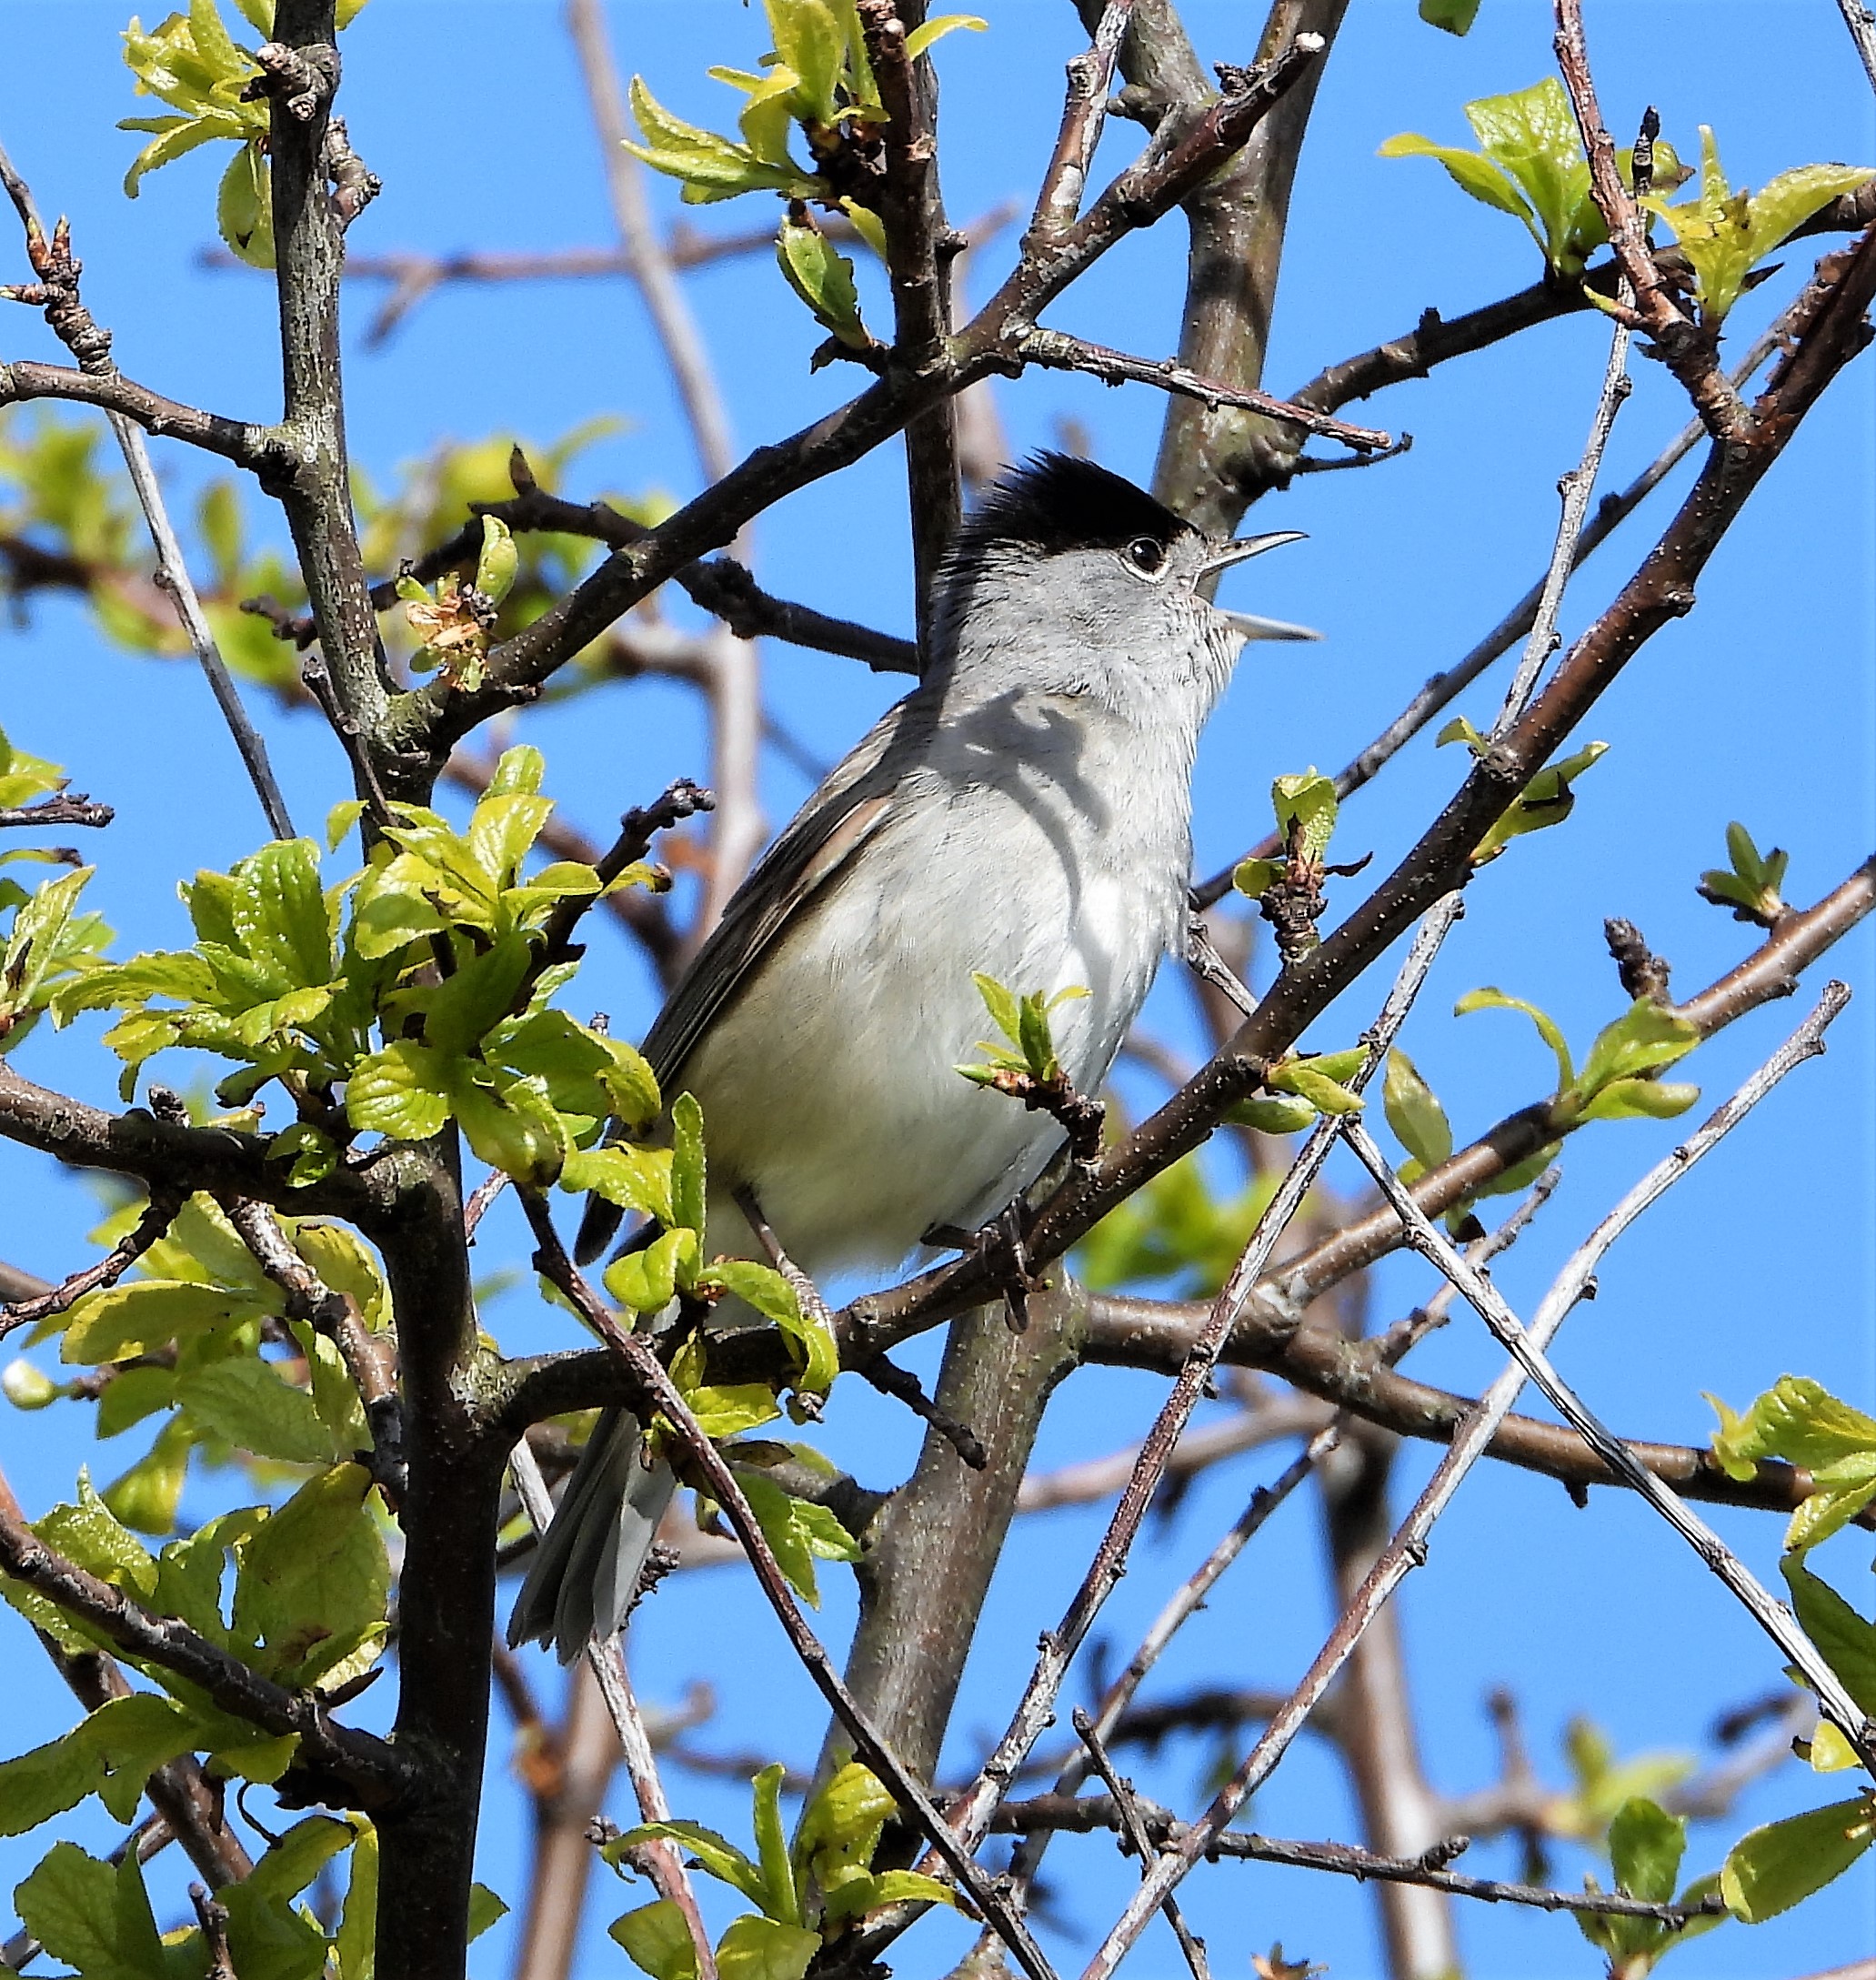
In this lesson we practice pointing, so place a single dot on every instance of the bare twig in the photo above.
(1408, 1547)
(1771, 1617)
(918, 263)
(1445, 688)
(1092, 1812)
(1056, 351)
(1862, 23)
(75, 809)
(658, 1391)
(1691, 351)
(663, 1861)
(1135, 1830)
(970, 1815)
(57, 269)
(213, 1919)
(157, 1217)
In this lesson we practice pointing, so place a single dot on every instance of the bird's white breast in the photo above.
(1011, 852)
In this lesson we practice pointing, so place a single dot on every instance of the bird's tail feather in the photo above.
(586, 1569)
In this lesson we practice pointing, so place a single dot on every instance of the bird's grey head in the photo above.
(1069, 578)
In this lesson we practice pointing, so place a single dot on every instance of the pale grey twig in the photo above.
(663, 1861)
(970, 1816)
(1574, 487)
(1862, 23)
(1135, 1830)
(1407, 1550)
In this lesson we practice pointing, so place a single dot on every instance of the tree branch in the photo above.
(374, 1775)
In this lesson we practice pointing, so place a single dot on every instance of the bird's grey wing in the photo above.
(854, 800)
(792, 873)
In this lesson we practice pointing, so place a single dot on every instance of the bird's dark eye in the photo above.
(1146, 554)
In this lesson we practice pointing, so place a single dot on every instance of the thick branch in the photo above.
(264, 451)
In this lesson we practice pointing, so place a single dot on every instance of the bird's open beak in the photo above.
(1227, 554)
(1249, 623)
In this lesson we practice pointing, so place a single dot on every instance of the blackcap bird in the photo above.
(1025, 812)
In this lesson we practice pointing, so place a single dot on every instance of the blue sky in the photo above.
(1757, 707)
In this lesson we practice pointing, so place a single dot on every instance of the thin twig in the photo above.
(606, 1662)
(658, 1392)
(971, 1816)
(57, 269)
(1691, 351)
(159, 1214)
(1084, 1812)
(1862, 23)
(1772, 1616)
(1135, 1830)
(1406, 1549)
(1574, 487)
(66, 808)
(1056, 351)
(1445, 688)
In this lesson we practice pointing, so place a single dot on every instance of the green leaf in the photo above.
(1414, 1113)
(279, 911)
(860, 1896)
(1456, 17)
(145, 1497)
(341, 819)
(1490, 998)
(818, 1350)
(244, 206)
(710, 167)
(1307, 801)
(1725, 235)
(1251, 877)
(655, 1939)
(355, 1946)
(1846, 1640)
(1645, 1847)
(646, 1280)
(766, 1949)
(840, 1826)
(1547, 799)
(632, 1177)
(484, 1910)
(1284, 1113)
(938, 27)
(1471, 172)
(1770, 1869)
(314, 1579)
(717, 1857)
(810, 40)
(118, 1321)
(687, 1194)
(47, 1781)
(269, 1937)
(1001, 1003)
(400, 1092)
(88, 1533)
(38, 946)
(796, 1531)
(1646, 1038)
(1630, 1100)
(779, 1899)
(243, 1401)
(823, 278)
(1796, 1419)
(1306, 1079)
(95, 1918)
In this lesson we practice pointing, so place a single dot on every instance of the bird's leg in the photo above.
(1003, 1245)
(798, 1282)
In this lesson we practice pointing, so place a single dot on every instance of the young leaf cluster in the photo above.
(1645, 1847)
(667, 1186)
(413, 994)
(816, 79)
(809, 1891)
(1547, 799)
(1725, 235)
(1749, 885)
(1301, 1087)
(193, 63)
(1028, 1049)
(1530, 165)
(96, 1917)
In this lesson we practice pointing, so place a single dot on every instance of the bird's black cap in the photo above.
(1055, 502)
